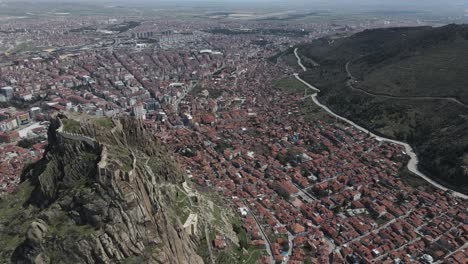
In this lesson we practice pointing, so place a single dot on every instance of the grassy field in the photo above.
(70, 125)
(308, 108)
(291, 85)
(291, 61)
(104, 122)
(413, 180)
(312, 112)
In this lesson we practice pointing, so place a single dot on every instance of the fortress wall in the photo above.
(61, 135)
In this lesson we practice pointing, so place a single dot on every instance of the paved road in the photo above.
(327, 180)
(299, 61)
(304, 194)
(383, 95)
(291, 244)
(451, 253)
(412, 164)
(379, 259)
(264, 236)
(375, 231)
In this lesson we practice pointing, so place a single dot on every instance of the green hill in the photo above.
(404, 83)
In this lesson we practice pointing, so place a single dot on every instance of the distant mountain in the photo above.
(406, 83)
(106, 191)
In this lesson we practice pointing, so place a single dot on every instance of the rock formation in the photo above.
(113, 201)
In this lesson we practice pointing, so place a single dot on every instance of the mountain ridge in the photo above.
(388, 67)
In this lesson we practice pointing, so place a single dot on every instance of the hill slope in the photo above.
(405, 83)
(110, 194)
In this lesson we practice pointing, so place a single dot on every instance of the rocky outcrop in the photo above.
(30, 251)
(107, 202)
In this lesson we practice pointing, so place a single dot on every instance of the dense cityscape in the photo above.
(307, 187)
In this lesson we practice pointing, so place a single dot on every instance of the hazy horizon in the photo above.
(403, 3)
(451, 10)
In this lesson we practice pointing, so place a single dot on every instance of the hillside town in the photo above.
(307, 187)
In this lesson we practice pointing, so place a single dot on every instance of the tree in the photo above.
(27, 143)
(401, 198)
(285, 244)
(282, 192)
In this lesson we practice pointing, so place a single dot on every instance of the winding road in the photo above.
(412, 164)
(299, 61)
(383, 95)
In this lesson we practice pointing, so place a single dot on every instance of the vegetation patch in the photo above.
(412, 179)
(183, 207)
(71, 126)
(14, 219)
(272, 31)
(124, 156)
(395, 68)
(292, 85)
(27, 143)
(125, 26)
(65, 227)
(232, 253)
(104, 122)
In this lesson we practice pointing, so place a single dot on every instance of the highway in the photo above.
(412, 164)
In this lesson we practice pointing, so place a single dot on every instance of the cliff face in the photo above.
(114, 200)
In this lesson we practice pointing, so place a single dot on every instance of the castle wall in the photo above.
(62, 135)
